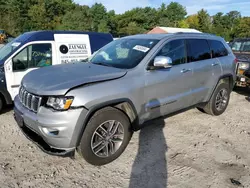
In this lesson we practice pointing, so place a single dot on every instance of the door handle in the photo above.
(185, 70)
(215, 64)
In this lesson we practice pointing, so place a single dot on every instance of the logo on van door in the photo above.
(64, 49)
(74, 52)
(78, 49)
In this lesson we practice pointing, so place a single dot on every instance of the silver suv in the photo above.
(94, 107)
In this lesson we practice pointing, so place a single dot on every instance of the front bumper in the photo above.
(242, 81)
(55, 132)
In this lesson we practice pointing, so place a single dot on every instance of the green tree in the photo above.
(193, 21)
(103, 27)
(175, 12)
(77, 19)
(243, 29)
(183, 24)
(204, 21)
(99, 14)
(132, 29)
(47, 14)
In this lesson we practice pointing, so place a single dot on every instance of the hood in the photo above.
(243, 56)
(58, 79)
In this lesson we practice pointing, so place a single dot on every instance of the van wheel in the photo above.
(219, 101)
(106, 136)
(1, 104)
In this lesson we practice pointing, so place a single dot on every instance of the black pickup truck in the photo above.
(241, 49)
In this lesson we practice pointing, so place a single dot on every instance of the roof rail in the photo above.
(197, 33)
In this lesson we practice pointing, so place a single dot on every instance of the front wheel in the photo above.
(106, 136)
(219, 100)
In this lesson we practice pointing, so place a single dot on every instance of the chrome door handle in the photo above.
(185, 70)
(215, 64)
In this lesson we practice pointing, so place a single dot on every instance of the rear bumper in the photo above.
(56, 133)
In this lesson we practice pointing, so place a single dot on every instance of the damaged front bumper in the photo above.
(242, 81)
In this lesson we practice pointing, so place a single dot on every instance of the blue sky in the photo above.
(192, 6)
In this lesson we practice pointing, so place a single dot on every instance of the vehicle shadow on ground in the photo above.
(150, 166)
(242, 91)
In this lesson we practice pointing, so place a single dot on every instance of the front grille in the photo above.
(30, 101)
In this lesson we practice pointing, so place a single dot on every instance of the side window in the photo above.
(218, 49)
(176, 50)
(35, 55)
(198, 50)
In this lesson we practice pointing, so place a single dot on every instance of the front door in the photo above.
(28, 58)
(168, 90)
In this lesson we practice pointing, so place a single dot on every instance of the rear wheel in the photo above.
(219, 100)
(106, 136)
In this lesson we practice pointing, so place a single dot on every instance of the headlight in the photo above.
(243, 66)
(60, 103)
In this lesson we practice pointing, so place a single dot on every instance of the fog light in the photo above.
(50, 132)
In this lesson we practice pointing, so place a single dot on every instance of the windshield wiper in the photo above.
(103, 64)
(85, 60)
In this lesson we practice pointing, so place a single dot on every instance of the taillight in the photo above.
(236, 61)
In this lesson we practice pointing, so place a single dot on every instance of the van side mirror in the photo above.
(163, 62)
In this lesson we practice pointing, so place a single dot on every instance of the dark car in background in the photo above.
(241, 49)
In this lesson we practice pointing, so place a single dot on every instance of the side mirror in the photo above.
(162, 62)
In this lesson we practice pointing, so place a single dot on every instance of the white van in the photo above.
(37, 49)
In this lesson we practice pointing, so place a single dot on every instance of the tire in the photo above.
(1, 104)
(211, 107)
(104, 118)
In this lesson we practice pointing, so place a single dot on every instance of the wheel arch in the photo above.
(227, 78)
(125, 105)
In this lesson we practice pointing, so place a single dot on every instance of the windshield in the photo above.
(8, 48)
(241, 46)
(123, 53)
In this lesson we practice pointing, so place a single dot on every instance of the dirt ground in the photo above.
(192, 150)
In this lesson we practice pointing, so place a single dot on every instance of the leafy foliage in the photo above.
(18, 16)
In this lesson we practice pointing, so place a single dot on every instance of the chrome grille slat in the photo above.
(30, 101)
(29, 98)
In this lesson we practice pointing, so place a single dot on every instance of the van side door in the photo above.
(31, 56)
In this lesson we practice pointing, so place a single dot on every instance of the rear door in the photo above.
(199, 55)
(220, 58)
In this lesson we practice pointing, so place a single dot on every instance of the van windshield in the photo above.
(241, 46)
(8, 48)
(123, 53)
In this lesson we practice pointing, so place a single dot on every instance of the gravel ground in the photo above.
(191, 150)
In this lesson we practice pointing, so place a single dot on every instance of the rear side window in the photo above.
(218, 49)
(198, 50)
